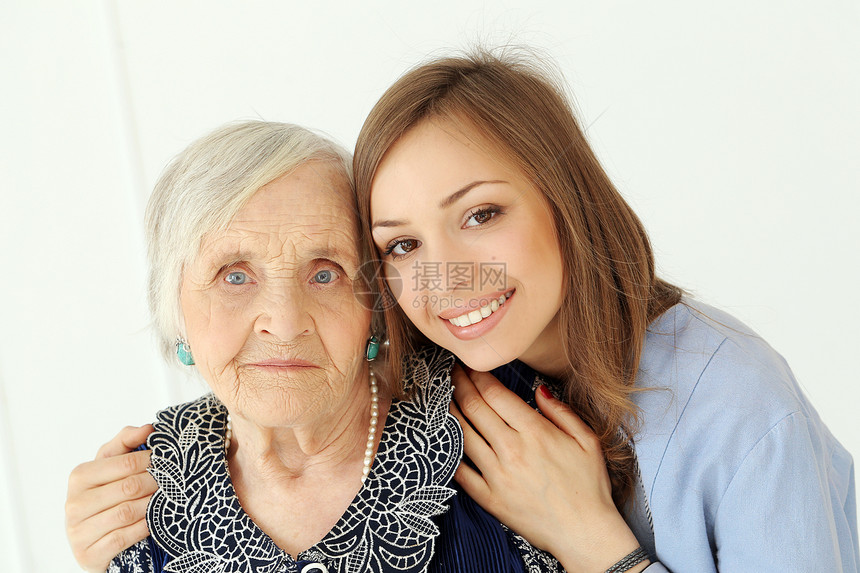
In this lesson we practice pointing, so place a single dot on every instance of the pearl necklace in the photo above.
(371, 431)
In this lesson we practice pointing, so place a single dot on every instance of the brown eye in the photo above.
(402, 247)
(408, 245)
(481, 216)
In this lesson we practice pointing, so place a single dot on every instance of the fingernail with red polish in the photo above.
(545, 391)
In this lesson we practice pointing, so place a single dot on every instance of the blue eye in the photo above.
(236, 278)
(325, 277)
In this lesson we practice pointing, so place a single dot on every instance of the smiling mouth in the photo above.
(487, 309)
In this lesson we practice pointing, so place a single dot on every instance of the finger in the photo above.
(117, 517)
(89, 503)
(107, 470)
(459, 374)
(505, 403)
(473, 484)
(127, 440)
(99, 554)
(474, 445)
(89, 531)
(566, 420)
(473, 406)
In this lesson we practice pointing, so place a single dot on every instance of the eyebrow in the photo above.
(334, 253)
(228, 257)
(443, 204)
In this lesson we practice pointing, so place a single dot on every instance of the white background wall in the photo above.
(733, 128)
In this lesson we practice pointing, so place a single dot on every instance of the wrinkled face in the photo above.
(268, 304)
(474, 243)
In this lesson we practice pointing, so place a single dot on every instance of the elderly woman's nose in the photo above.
(284, 313)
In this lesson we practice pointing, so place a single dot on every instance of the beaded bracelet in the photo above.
(629, 561)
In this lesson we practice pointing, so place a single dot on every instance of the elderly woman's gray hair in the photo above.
(204, 187)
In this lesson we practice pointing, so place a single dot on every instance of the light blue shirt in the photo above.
(738, 472)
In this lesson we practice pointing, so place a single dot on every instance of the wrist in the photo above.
(603, 548)
(634, 562)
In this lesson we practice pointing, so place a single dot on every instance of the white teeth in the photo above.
(476, 316)
(508, 294)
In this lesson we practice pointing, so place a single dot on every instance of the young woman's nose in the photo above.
(446, 267)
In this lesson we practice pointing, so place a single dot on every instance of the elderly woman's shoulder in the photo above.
(205, 413)
(429, 366)
(205, 405)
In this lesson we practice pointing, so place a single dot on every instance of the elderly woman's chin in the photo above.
(283, 397)
(274, 392)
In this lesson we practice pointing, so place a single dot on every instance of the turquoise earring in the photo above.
(183, 351)
(372, 348)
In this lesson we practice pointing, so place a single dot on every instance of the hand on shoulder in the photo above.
(107, 498)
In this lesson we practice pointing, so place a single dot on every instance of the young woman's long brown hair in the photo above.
(611, 290)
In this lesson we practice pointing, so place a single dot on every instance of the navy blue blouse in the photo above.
(473, 540)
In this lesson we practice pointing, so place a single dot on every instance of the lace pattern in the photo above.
(535, 560)
(196, 517)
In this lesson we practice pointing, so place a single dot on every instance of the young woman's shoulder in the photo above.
(729, 447)
(706, 358)
(715, 381)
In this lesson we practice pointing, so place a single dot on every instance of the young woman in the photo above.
(503, 240)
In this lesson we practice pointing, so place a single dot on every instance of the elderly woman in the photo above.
(299, 460)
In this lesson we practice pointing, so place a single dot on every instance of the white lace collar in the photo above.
(196, 518)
